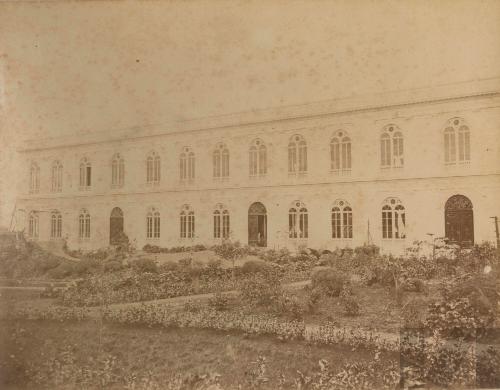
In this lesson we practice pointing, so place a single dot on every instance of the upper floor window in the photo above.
(85, 173)
(221, 161)
(297, 155)
(186, 164)
(34, 178)
(117, 171)
(33, 222)
(55, 224)
(393, 219)
(456, 142)
(341, 220)
(258, 158)
(57, 176)
(187, 222)
(221, 222)
(153, 223)
(391, 147)
(84, 224)
(297, 220)
(340, 152)
(153, 168)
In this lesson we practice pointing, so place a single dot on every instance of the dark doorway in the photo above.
(257, 225)
(459, 221)
(115, 226)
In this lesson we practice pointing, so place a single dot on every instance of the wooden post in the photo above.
(496, 232)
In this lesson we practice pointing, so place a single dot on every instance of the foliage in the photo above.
(144, 265)
(219, 301)
(148, 248)
(258, 289)
(349, 301)
(230, 251)
(329, 280)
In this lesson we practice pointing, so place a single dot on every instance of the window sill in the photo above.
(153, 184)
(116, 186)
(297, 174)
(258, 176)
(341, 172)
(187, 182)
(58, 191)
(221, 179)
(85, 188)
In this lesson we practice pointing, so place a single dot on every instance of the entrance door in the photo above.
(459, 221)
(115, 226)
(257, 225)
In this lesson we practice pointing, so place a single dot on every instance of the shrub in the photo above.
(112, 266)
(287, 304)
(258, 289)
(219, 301)
(145, 265)
(413, 313)
(329, 280)
(62, 271)
(413, 285)
(314, 295)
(256, 266)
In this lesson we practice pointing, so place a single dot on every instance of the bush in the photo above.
(145, 265)
(256, 266)
(413, 313)
(258, 289)
(112, 266)
(219, 301)
(329, 280)
(413, 285)
(62, 271)
(287, 304)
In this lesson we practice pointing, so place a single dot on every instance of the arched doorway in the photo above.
(257, 225)
(459, 221)
(115, 226)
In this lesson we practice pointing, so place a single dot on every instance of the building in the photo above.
(387, 169)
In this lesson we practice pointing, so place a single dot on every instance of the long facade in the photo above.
(387, 169)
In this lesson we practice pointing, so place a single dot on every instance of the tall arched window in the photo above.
(297, 154)
(85, 173)
(34, 178)
(258, 158)
(341, 220)
(221, 161)
(298, 220)
(57, 176)
(117, 171)
(391, 147)
(221, 222)
(186, 164)
(33, 223)
(84, 224)
(340, 152)
(153, 223)
(55, 224)
(187, 222)
(153, 168)
(393, 219)
(456, 142)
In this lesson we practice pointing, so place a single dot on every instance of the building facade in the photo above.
(387, 169)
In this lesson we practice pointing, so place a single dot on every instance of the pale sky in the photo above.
(68, 67)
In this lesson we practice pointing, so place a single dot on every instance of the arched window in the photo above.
(340, 152)
(186, 164)
(55, 224)
(391, 147)
(221, 222)
(258, 158)
(341, 220)
(34, 178)
(57, 176)
(221, 161)
(33, 223)
(187, 222)
(85, 173)
(297, 154)
(456, 142)
(117, 171)
(153, 168)
(153, 223)
(84, 224)
(393, 219)
(297, 220)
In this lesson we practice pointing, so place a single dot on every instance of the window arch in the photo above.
(187, 164)
(187, 222)
(456, 142)
(55, 224)
(57, 176)
(391, 147)
(298, 220)
(153, 168)
(33, 224)
(393, 219)
(117, 171)
(257, 158)
(340, 152)
(221, 221)
(153, 223)
(297, 154)
(221, 161)
(34, 178)
(85, 173)
(84, 224)
(341, 219)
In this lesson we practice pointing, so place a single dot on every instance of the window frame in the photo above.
(341, 153)
(34, 187)
(187, 222)
(257, 159)
(153, 224)
(117, 171)
(153, 168)
(298, 221)
(84, 220)
(342, 220)
(85, 174)
(392, 149)
(393, 220)
(221, 162)
(297, 155)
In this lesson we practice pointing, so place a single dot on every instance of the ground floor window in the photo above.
(393, 219)
(153, 224)
(341, 220)
(187, 222)
(33, 225)
(84, 225)
(298, 221)
(56, 225)
(221, 222)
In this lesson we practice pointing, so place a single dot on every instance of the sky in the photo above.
(68, 67)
